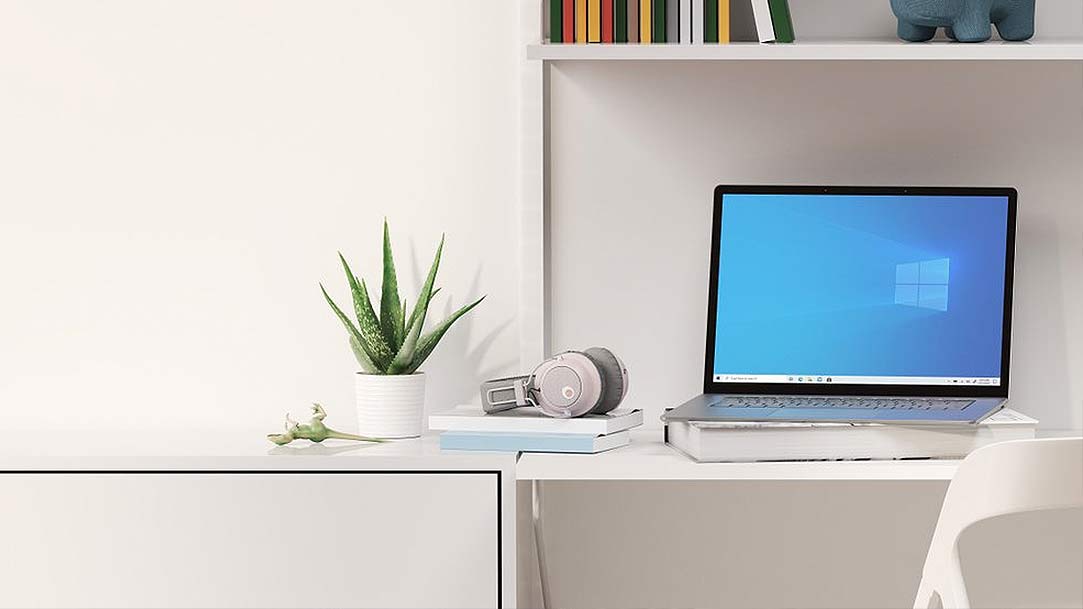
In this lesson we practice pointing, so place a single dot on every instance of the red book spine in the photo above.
(607, 20)
(569, 20)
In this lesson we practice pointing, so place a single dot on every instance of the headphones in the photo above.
(571, 384)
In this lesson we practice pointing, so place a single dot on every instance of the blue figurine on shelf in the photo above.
(964, 20)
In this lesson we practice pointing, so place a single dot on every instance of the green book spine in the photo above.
(658, 20)
(556, 19)
(780, 17)
(620, 20)
(710, 20)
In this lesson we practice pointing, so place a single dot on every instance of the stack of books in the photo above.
(668, 21)
(528, 430)
(762, 441)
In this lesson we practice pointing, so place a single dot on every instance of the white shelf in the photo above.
(648, 458)
(856, 50)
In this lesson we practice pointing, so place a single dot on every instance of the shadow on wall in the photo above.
(455, 369)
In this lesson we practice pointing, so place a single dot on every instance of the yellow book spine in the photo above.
(723, 21)
(580, 20)
(594, 21)
(644, 20)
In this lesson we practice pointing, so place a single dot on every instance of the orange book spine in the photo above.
(594, 21)
(723, 21)
(581, 21)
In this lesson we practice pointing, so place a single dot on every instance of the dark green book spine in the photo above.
(710, 20)
(780, 18)
(620, 20)
(556, 20)
(658, 20)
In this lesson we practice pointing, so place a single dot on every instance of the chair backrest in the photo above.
(997, 480)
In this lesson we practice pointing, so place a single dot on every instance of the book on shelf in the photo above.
(658, 20)
(711, 20)
(645, 21)
(580, 21)
(765, 29)
(556, 21)
(532, 442)
(684, 15)
(594, 20)
(607, 21)
(527, 420)
(722, 33)
(666, 21)
(781, 20)
(567, 12)
(620, 21)
(776, 441)
(696, 21)
(673, 21)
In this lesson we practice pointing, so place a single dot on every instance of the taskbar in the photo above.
(816, 379)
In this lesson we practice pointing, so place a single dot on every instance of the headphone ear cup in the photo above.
(570, 384)
(614, 378)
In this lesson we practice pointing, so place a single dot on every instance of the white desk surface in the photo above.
(648, 458)
(229, 451)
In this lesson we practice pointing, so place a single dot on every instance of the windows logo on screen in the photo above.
(923, 284)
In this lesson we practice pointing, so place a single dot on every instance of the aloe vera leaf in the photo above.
(405, 355)
(362, 357)
(410, 322)
(427, 343)
(372, 338)
(355, 336)
(390, 308)
(402, 322)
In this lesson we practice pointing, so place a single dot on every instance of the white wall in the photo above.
(638, 147)
(176, 177)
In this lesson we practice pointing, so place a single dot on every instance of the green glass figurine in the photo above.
(315, 430)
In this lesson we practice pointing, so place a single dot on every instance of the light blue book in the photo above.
(532, 442)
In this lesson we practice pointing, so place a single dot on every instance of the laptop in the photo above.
(852, 304)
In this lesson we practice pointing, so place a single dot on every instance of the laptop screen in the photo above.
(858, 289)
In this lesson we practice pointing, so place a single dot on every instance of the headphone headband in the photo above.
(504, 394)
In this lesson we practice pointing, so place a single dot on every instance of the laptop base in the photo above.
(709, 407)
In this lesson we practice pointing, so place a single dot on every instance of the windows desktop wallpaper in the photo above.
(855, 285)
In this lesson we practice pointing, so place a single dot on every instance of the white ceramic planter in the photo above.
(390, 406)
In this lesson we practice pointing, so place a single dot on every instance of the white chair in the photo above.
(997, 480)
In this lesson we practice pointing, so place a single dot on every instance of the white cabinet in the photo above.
(262, 531)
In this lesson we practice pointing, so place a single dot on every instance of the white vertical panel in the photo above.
(532, 219)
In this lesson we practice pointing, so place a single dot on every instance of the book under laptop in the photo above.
(750, 441)
(855, 304)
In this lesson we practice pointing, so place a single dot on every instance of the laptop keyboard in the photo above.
(788, 401)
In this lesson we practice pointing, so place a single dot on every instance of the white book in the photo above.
(528, 419)
(689, 14)
(765, 28)
(755, 441)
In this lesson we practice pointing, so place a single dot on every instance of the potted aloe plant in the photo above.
(390, 347)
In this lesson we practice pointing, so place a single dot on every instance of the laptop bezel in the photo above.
(844, 389)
